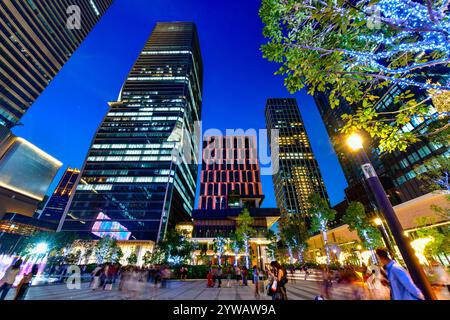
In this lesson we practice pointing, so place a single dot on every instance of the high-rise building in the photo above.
(37, 39)
(54, 208)
(230, 175)
(397, 170)
(298, 176)
(26, 173)
(140, 173)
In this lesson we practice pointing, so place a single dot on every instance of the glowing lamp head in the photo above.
(355, 142)
(378, 221)
(41, 248)
(359, 247)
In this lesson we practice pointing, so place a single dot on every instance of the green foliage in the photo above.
(132, 258)
(176, 247)
(294, 232)
(319, 44)
(154, 257)
(105, 250)
(356, 219)
(320, 212)
(56, 242)
(244, 223)
(441, 238)
(272, 247)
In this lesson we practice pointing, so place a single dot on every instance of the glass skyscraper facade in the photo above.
(54, 208)
(298, 176)
(35, 43)
(140, 174)
(230, 173)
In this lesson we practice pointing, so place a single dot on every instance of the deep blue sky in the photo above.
(237, 81)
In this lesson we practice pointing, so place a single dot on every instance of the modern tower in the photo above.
(139, 177)
(298, 176)
(37, 38)
(230, 174)
(54, 208)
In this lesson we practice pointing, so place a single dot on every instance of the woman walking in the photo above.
(25, 283)
(256, 281)
(280, 280)
(8, 279)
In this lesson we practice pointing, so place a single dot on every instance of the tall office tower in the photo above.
(141, 171)
(230, 174)
(26, 173)
(37, 39)
(397, 170)
(54, 208)
(298, 176)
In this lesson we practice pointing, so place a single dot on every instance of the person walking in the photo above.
(279, 282)
(400, 282)
(219, 274)
(244, 276)
(256, 281)
(8, 279)
(237, 271)
(25, 283)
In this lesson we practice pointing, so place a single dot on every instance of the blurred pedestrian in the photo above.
(25, 283)
(9, 278)
(256, 281)
(400, 282)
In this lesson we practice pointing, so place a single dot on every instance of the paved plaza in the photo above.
(177, 290)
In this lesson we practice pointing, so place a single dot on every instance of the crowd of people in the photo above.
(132, 280)
(383, 281)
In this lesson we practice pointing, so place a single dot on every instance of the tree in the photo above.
(244, 230)
(321, 214)
(271, 248)
(440, 243)
(356, 218)
(353, 51)
(236, 244)
(177, 247)
(154, 257)
(219, 244)
(55, 242)
(132, 258)
(294, 234)
(436, 178)
(104, 248)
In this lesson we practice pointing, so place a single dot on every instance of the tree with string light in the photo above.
(321, 214)
(354, 51)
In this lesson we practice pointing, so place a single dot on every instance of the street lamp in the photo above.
(355, 143)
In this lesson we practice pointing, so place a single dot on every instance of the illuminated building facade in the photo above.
(35, 43)
(298, 176)
(26, 173)
(141, 169)
(57, 203)
(230, 175)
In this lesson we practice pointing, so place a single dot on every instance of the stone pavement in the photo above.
(179, 290)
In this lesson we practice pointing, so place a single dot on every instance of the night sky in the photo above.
(237, 81)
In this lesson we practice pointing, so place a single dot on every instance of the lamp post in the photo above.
(415, 269)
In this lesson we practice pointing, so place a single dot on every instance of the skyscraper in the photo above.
(57, 203)
(298, 176)
(141, 171)
(37, 39)
(230, 173)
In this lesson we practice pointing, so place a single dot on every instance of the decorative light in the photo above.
(354, 141)
(378, 222)
(41, 248)
(419, 246)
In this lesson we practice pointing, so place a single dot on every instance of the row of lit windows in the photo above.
(102, 159)
(134, 146)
